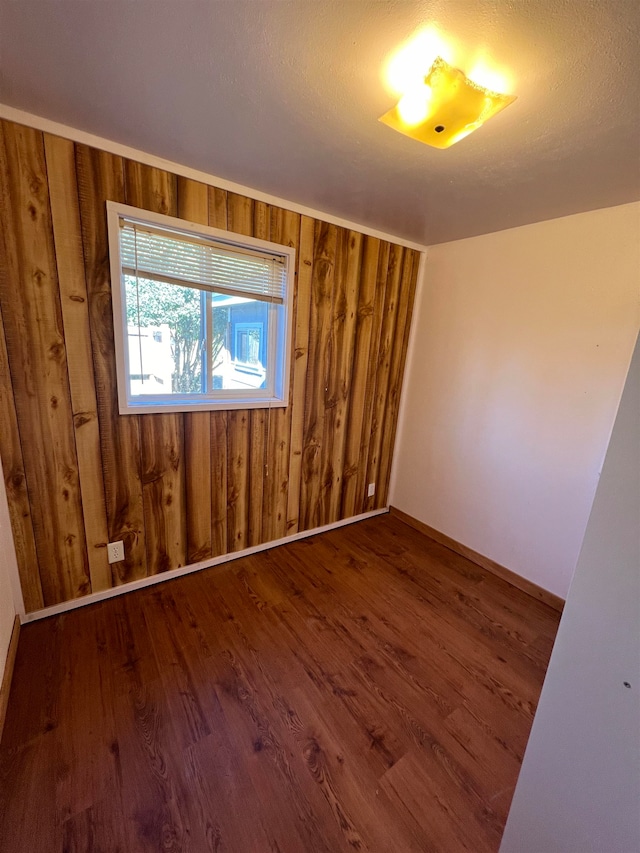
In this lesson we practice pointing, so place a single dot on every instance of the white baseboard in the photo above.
(94, 597)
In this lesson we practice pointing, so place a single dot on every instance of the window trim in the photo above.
(233, 398)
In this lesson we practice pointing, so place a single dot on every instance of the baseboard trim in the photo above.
(95, 597)
(10, 663)
(490, 565)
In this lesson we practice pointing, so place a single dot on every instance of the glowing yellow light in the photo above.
(489, 78)
(410, 63)
(444, 107)
(461, 135)
(413, 106)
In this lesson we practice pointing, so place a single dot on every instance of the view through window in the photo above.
(200, 321)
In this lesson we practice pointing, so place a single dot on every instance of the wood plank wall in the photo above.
(177, 488)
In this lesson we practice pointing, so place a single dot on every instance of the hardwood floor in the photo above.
(366, 689)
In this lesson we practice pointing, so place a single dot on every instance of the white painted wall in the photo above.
(579, 788)
(516, 365)
(10, 598)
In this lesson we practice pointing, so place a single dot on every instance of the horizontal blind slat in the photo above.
(198, 285)
(165, 255)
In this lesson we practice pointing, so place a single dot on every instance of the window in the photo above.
(202, 317)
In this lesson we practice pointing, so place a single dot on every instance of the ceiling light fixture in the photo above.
(444, 107)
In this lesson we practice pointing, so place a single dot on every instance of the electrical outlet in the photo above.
(371, 490)
(115, 551)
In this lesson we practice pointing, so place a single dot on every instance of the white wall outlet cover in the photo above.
(115, 552)
(371, 490)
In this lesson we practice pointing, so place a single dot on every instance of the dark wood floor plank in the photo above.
(94, 830)
(438, 804)
(463, 626)
(366, 689)
(28, 819)
(38, 674)
(87, 762)
(155, 817)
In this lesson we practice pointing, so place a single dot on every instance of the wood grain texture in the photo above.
(217, 208)
(285, 230)
(219, 424)
(365, 689)
(101, 178)
(30, 302)
(399, 343)
(193, 205)
(383, 371)
(67, 235)
(179, 488)
(343, 340)
(219, 483)
(243, 447)
(527, 586)
(324, 260)
(301, 338)
(260, 420)
(163, 491)
(362, 479)
(360, 373)
(238, 469)
(7, 675)
(15, 481)
(162, 436)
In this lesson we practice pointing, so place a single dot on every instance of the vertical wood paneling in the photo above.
(362, 480)
(219, 425)
(162, 443)
(197, 449)
(193, 204)
(259, 420)
(150, 188)
(217, 208)
(162, 436)
(331, 381)
(357, 397)
(258, 432)
(101, 177)
(30, 301)
(240, 501)
(219, 483)
(15, 481)
(67, 235)
(325, 243)
(177, 488)
(383, 368)
(343, 328)
(400, 342)
(284, 229)
(301, 333)
(238, 467)
(261, 220)
(240, 214)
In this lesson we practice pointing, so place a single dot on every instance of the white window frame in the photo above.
(280, 330)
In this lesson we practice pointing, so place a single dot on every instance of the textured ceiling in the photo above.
(285, 97)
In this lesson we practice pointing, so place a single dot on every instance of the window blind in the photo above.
(177, 258)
